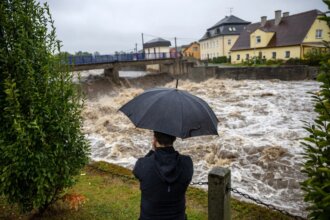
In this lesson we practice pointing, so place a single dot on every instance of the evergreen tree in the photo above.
(317, 146)
(41, 143)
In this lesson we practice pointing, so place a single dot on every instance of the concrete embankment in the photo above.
(286, 73)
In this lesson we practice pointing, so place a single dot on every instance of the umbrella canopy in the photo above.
(171, 111)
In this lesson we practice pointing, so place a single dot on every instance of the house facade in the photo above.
(157, 48)
(193, 50)
(218, 39)
(284, 37)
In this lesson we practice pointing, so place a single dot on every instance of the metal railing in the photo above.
(120, 57)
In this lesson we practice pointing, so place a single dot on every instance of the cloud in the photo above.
(113, 25)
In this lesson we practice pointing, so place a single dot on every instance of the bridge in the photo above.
(171, 63)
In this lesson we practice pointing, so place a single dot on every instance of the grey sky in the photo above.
(116, 25)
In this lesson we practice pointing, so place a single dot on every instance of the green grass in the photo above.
(112, 197)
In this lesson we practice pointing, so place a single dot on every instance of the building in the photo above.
(157, 48)
(193, 50)
(219, 38)
(284, 37)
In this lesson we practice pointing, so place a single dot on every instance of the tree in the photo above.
(317, 147)
(81, 53)
(42, 147)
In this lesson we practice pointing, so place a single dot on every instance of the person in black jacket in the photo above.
(164, 176)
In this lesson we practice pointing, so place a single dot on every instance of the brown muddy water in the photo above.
(260, 130)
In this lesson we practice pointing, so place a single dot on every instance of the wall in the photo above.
(265, 37)
(227, 47)
(254, 73)
(311, 35)
(267, 53)
(217, 46)
(161, 52)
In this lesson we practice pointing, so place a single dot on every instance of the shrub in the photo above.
(317, 148)
(222, 59)
(41, 143)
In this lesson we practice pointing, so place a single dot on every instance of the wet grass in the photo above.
(109, 196)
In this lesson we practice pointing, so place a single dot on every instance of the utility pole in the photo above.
(176, 48)
(136, 48)
(142, 46)
(142, 42)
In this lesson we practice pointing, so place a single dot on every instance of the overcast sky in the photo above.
(116, 25)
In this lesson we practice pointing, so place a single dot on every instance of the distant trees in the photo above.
(42, 147)
(81, 53)
(317, 147)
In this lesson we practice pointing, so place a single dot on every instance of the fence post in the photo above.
(218, 194)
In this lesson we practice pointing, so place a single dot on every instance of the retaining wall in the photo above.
(297, 72)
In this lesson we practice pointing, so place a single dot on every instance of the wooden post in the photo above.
(219, 194)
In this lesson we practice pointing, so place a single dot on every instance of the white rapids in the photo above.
(260, 133)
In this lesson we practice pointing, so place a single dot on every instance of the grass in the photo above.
(109, 196)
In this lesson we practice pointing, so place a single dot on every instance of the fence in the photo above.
(219, 194)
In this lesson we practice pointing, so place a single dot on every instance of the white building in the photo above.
(157, 48)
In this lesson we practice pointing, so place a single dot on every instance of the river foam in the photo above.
(260, 130)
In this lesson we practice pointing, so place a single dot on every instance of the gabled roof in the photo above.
(230, 25)
(291, 31)
(157, 42)
(188, 46)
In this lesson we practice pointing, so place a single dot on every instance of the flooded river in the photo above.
(260, 130)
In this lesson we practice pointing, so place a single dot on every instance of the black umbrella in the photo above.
(171, 111)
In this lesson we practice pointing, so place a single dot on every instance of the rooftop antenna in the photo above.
(231, 9)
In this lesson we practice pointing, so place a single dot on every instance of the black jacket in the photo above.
(164, 176)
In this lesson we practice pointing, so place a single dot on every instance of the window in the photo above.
(230, 29)
(229, 41)
(195, 48)
(258, 39)
(274, 55)
(238, 57)
(287, 54)
(247, 57)
(260, 54)
(318, 33)
(234, 29)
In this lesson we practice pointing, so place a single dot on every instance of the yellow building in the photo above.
(193, 50)
(218, 39)
(283, 38)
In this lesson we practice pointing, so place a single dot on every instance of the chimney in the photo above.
(286, 14)
(278, 14)
(263, 21)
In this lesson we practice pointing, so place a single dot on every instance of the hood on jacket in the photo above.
(167, 161)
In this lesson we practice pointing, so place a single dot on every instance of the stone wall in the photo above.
(297, 72)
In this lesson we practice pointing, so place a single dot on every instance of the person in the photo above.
(164, 176)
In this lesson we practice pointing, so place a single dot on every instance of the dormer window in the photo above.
(234, 29)
(230, 29)
(258, 39)
(218, 30)
(318, 33)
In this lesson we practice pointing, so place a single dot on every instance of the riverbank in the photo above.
(106, 195)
